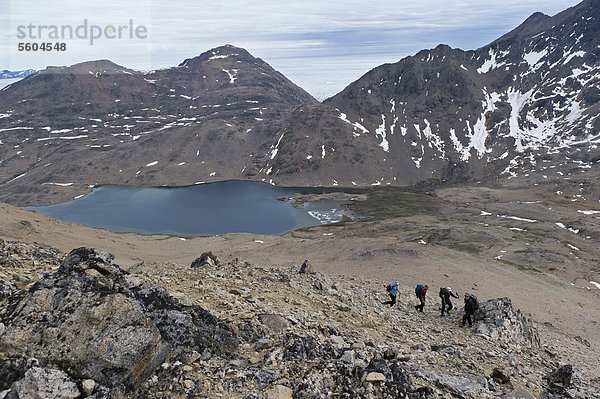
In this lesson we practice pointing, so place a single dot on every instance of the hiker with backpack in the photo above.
(392, 289)
(471, 306)
(421, 292)
(445, 294)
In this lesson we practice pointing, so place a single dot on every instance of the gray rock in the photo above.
(347, 360)
(206, 259)
(40, 383)
(459, 384)
(279, 392)
(338, 341)
(264, 343)
(274, 322)
(6, 289)
(561, 375)
(419, 347)
(519, 393)
(500, 375)
(498, 320)
(88, 386)
(94, 326)
(84, 325)
(263, 377)
(318, 284)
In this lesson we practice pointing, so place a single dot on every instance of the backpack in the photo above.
(475, 303)
(390, 286)
(418, 289)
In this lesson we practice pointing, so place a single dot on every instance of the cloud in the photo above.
(312, 41)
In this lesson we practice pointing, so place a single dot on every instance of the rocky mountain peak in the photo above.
(529, 27)
(225, 53)
(97, 67)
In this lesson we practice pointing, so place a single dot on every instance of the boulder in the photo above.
(184, 326)
(82, 323)
(519, 393)
(561, 375)
(273, 322)
(39, 383)
(459, 385)
(375, 377)
(279, 392)
(498, 320)
(88, 386)
(89, 321)
(206, 259)
(500, 375)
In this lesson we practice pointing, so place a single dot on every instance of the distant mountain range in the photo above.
(526, 105)
(5, 74)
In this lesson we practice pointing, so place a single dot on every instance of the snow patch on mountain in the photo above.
(533, 57)
(381, 132)
(356, 125)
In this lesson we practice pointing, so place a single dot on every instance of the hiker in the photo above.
(471, 306)
(421, 292)
(392, 289)
(445, 294)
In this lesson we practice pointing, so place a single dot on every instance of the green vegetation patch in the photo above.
(464, 247)
(388, 202)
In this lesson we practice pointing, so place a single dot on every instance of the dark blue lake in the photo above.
(206, 209)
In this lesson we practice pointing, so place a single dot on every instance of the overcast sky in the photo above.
(321, 45)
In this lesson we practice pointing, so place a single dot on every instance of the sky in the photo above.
(320, 45)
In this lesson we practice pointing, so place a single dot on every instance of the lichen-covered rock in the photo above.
(40, 383)
(94, 323)
(82, 323)
(460, 385)
(184, 326)
(561, 375)
(206, 259)
(498, 320)
(14, 255)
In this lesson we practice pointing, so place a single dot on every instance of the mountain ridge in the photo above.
(518, 107)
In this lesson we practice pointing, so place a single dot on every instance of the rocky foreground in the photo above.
(80, 326)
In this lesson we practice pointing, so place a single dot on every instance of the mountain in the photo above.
(526, 105)
(5, 74)
(100, 123)
(523, 104)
